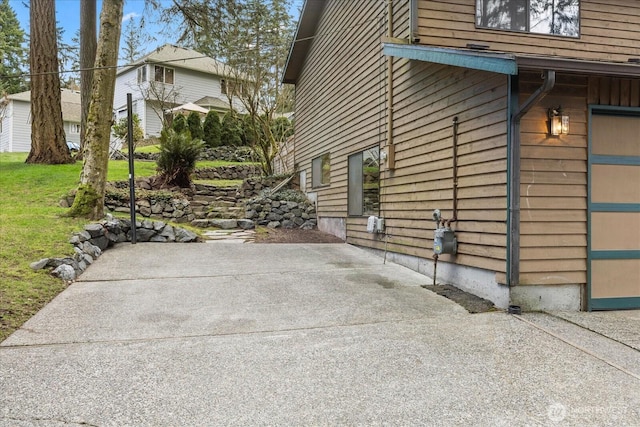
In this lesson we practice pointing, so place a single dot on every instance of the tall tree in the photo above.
(87, 59)
(89, 201)
(13, 55)
(48, 140)
(134, 40)
(252, 37)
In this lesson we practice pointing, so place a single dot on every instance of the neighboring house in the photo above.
(15, 123)
(169, 77)
(450, 109)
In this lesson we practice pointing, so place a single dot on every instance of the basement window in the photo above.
(364, 183)
(553, 17)
(321, 171)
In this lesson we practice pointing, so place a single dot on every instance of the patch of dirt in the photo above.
(295, 236)
(470, 302)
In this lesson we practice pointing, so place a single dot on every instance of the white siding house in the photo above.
(168, 77)
(15, 123)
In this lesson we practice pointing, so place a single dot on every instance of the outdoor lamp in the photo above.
(558, 122)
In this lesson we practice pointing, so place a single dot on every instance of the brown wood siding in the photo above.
(609, 31)
(553, 215)
(553, 241)
(426, 99)
(340, 96)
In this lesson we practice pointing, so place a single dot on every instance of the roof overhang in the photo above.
(307, 24)
(506, 63)
(502, 63)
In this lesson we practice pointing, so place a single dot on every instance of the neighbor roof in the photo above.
(71, 106)
(180, 57)
(212, 102)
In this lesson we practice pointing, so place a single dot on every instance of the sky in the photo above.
(68, 16)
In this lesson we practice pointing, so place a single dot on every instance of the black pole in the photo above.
(132, 182)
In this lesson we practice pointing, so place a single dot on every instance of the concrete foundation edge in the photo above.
(475, 280)
(335, 226)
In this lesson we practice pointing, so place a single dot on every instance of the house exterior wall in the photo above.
(554, 178)
(609, 30)
(19, 135)
(189, 86)
(427, 97)
(6, 129)
(341, 109)
(340, 97)
(71, 136)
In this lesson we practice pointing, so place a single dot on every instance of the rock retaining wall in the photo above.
(89, 243)
(274, 212)
(228, 172)
(226, 153)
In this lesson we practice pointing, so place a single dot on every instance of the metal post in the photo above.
(132, 182)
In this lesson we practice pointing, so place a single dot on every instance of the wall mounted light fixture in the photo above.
(558, 122)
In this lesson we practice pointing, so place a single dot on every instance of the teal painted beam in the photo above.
(621, 254)
(614, 207)
(614, 303)
(503, 64)
(598, 159)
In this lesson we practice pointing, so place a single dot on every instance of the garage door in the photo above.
(614, 209)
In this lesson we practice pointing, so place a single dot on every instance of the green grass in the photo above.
(220, 182)
(32, 227)
(149, 149)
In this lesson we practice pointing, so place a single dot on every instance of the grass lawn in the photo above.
(32, 227)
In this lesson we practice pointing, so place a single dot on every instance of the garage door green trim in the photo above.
(608, 303)
(614, 303)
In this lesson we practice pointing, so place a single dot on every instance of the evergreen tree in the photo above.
(179, 124)
(48, 139)
(231, 130)
(134, 40)
(212, 129)
(195, 125)
(13, 53)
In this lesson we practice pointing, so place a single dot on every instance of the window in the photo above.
(142, 74)
(364, 182)
(321, 171)
(163, 74)
(557, 17)
(74, 128)
(232, 88)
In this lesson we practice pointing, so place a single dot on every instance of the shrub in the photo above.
(195, 125)
(120, 130)
(231, 130)
(212, 130)
(179, 124)
(178, 155)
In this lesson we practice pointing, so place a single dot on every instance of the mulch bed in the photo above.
(295, 236)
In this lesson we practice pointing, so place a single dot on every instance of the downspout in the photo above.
(513, 220)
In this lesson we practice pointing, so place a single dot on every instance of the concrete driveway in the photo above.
(247, 334)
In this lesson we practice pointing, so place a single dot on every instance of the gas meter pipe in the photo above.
(454, 215)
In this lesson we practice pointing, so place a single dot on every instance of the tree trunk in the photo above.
(89, 201)
(48, 140)
(87, 60)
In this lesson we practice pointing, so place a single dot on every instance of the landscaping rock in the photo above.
(246, 224)
(94, 230)
(65, 272)
(39, 265)
(185, 236)
(225, 224)
(200, 223)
